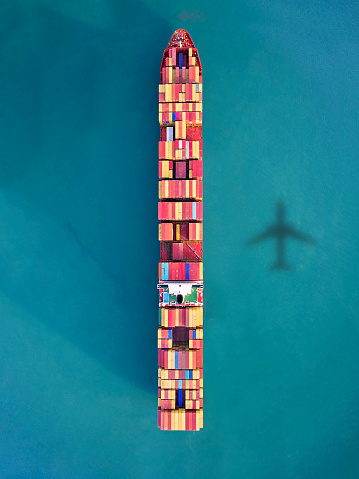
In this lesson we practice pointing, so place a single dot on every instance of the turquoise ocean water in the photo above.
(79, 250)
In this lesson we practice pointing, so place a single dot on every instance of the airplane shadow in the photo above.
(280, 231)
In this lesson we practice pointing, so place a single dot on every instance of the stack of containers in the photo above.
(180, 212)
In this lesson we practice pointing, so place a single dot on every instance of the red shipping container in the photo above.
(193, 271)
(179, 269)
(199, 356)
(177, 251)
(184, 214)
(177, 75)
(164, 208)
(191, 415)
(162, 419)
(200, 184)
(180, 319)
(200, 169)
(190, 149)
(194, 169)
(200, 210)
(161, 151)
(187, 92)
(180, 169)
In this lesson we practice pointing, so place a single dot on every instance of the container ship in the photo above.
(180, 215)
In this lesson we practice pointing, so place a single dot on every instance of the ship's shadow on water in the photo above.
(79, 150)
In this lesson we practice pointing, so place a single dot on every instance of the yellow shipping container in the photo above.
(199, 228)
(183, 129)
(183, 419)
(166, 189)
(200, 316)
(165, 169)
(201, 418)
(168, 92)
(176, 211)
(178, 236)
(170, 71)
(190, 52)
(196, 74)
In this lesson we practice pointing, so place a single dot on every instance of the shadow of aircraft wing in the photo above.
(268, 233)
(290, 231)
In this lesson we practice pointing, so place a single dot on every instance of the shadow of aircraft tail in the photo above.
(280, 266)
